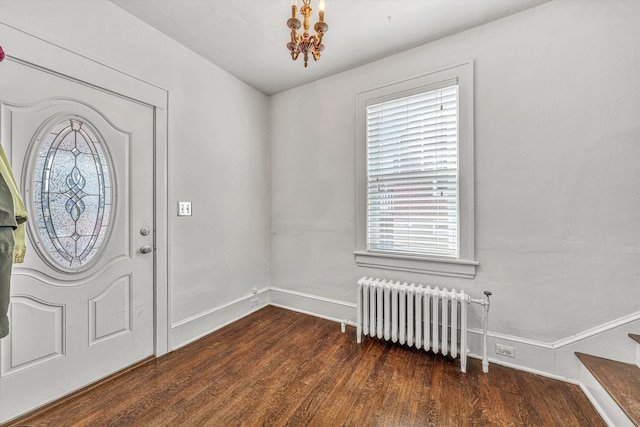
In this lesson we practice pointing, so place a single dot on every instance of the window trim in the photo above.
(465, 265)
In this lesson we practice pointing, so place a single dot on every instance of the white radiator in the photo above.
(427, 318)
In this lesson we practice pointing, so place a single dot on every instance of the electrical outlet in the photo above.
(505, 350)
(184, 208)
(254, 302)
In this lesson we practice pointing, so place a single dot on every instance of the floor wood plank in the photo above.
(278, 367)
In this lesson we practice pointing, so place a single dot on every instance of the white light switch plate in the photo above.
(184, 208)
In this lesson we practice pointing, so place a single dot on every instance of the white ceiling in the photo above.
(248, 38)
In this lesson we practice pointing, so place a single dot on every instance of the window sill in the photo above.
(440, 267)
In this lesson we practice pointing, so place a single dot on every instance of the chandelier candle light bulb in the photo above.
(305, 42)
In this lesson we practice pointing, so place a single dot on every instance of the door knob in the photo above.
(146, 249)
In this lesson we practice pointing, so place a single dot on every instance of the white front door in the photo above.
(82, 304)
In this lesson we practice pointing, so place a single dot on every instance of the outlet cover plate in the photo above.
(505, 350)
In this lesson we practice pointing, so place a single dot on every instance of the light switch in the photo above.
(184, 208)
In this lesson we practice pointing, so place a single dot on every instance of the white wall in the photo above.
(557, 139)
(218, 151)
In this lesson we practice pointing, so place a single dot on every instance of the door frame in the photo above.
(33, 51)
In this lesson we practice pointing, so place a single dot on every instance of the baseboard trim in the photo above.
(512, 338)
(195, 327)
(600, 329)
(605, 327)
(326, 308)
(518, 367)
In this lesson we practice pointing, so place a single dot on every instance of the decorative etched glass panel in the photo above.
(72, 193)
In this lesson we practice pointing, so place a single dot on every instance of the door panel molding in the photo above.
(50, 335)
(105, 323)
(52, 281)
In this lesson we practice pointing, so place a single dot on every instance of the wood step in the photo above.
(621, 380)
(635, 337)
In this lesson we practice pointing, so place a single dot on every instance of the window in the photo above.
(72, 193)
(415, 174)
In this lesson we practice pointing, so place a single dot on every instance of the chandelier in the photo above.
(304, 42)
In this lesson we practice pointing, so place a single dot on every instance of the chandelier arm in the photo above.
(317, 48)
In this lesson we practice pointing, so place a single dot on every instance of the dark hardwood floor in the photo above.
(278, 367)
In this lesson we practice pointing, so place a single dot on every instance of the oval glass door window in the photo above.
(72, 193)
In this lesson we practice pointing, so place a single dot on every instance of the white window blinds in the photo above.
(412, 164)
